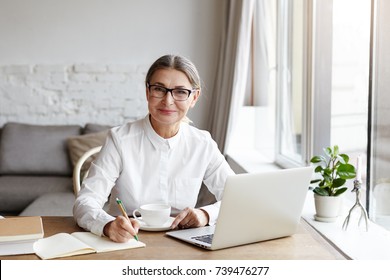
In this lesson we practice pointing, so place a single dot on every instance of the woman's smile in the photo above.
(166, 111)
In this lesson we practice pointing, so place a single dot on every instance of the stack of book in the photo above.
(18, 234)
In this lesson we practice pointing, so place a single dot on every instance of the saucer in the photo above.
(166, 226)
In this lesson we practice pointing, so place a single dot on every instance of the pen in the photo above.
(122, 208)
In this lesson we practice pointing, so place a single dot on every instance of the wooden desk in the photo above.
(306, 244)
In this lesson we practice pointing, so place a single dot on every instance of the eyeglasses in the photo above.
(178, 94)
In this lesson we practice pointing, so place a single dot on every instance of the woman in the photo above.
(160, 158)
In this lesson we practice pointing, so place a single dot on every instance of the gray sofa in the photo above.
(36, 166)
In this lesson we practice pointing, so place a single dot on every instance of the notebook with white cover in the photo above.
(255, 207)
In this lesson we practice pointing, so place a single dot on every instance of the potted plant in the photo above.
(333, 171)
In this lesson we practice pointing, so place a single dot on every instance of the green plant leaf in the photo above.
(335, 150)
(340, 191)
(340, 159)
(327, 172)
(345, 158)
(328, 151)
(315, 181)
(338, 182)
(317, 159)
(321, 191)
(346, 171)
(318, 169)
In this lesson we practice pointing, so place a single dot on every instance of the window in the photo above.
(291, 89)
(312, 90)
(328, 78)
(379, 155)
(350, 80)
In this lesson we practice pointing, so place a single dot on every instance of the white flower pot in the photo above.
(327, 207)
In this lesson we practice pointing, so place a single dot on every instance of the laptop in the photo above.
(255, 207)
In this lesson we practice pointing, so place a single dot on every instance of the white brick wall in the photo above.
(72, 94)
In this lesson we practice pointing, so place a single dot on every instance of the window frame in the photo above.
(317, 77)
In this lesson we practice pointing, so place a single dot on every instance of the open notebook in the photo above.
(78, 243)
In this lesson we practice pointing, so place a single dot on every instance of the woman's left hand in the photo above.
(190, 217)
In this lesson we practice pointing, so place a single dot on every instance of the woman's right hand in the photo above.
(121, 229)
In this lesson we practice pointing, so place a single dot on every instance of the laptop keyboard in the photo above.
(208, 238)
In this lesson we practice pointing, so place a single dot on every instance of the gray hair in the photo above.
(179, 63)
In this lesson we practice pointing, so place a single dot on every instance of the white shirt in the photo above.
(139, 167)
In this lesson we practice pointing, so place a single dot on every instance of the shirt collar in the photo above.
(158, 141)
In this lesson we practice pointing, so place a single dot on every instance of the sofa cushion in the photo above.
(17, 192)
(51, 204)
(93, 128)
(78, 145)
(36, 149)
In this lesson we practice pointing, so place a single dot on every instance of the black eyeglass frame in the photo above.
(189, 91)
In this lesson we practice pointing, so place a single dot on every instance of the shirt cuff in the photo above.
(213, 211)
(100, 222)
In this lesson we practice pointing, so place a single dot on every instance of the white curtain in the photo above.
(228, 93)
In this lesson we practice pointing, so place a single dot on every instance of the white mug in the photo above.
(153, 214)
